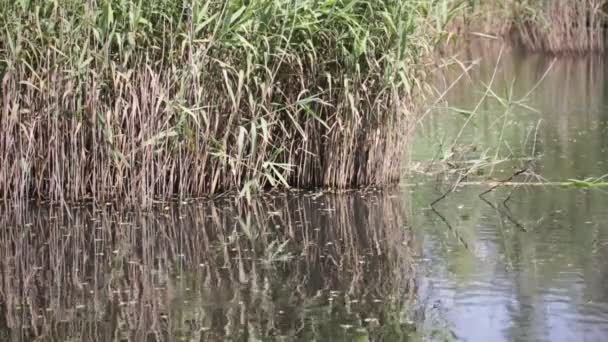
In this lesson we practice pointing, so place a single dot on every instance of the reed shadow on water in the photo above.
(298, 265)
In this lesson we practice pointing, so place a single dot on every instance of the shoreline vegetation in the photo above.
(559, 27)
(155, 100)
(143, 100)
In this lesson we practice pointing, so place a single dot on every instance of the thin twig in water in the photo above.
(445, 194)
(503, 181)
(444, 93)
(542, 78)
(485, 95)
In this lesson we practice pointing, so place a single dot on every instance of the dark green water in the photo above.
(358, 266)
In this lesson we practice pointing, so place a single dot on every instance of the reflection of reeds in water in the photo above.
(289, 265)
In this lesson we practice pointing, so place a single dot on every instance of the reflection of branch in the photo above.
(464, 243)
(508, 214)
(508, 199)
(460, 178)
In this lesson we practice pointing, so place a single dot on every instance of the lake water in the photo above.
(525, 263)
(522, 263)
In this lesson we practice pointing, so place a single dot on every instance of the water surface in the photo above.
(522, 263)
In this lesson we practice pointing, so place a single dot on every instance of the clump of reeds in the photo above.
(149, 99)
(562, 26)
(557, 26)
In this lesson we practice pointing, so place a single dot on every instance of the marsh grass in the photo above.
(152, 99)
(562, 26)
(208, 272)
(557, 26)
(589, 182)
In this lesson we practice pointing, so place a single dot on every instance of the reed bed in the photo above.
(297, 266)
(553, 26)
(562, 26)
(141, 100)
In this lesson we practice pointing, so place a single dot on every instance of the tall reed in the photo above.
(151, 99)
